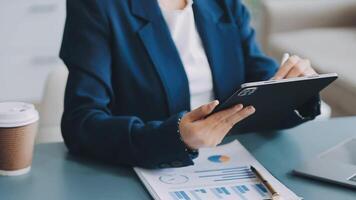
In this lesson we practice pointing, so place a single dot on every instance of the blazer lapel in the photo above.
(163, 53)
(220, 37)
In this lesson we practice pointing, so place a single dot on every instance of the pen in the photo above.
(275, 194)
(284, 58)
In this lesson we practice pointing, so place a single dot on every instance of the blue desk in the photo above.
(58, 176)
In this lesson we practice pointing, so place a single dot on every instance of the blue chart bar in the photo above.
(185, 196)
(216, 192)
(220, 192)
(222, 169)
(202, 190)
(241, 189)
(195, 195)
(227, 174)
(239, 192)
(176, 195)
(225, 191)
(261, 189)
(199, 194)
(234, 178)
(245, 187)
(179, 195)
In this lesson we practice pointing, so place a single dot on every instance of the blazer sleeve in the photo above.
(88, 126)
(258, 66)
(261, 67)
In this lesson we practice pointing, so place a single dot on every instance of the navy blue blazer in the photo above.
(127, 87)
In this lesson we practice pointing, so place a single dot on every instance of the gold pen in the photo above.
(275, 194)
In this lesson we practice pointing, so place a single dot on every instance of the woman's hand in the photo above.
(294, 67)
(197, 131)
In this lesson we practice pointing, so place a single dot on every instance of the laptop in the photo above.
(336, 165)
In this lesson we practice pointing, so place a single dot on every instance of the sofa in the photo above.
(323, 31)
(51, 107)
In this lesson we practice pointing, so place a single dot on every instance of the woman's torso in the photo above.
(148, 79)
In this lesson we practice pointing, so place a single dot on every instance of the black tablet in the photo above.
(275, 99)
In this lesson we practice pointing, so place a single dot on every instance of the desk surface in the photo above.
(58, 176)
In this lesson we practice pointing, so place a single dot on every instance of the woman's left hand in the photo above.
(294, 67)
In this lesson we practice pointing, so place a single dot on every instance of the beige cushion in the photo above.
(51, 107)
(292, 15)
(330, 50)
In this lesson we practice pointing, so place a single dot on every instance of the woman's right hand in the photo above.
(197, 131)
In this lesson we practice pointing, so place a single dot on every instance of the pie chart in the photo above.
(219, 158)
(173, 179)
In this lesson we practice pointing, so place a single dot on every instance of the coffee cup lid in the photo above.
(15, 114)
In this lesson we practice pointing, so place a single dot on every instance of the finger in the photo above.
(202, 111)
(310, 72)
(221, 132)
(224, 126)
(222, 115)
(215, 142)
(299, 69)
(221, 129)
(286, 67)
(239, 116)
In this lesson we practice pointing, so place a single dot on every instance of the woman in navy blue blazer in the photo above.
(137, 72)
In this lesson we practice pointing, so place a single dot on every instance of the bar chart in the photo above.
(243, 192)
(244, 185)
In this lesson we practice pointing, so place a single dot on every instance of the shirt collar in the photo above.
(188, 6)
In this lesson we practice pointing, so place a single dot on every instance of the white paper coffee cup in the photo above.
(18, 128)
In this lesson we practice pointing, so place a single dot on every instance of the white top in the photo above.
(181, 24)
(15, 114)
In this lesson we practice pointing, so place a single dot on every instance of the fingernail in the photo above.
(239, 106)
(215, 102)
(251, 109)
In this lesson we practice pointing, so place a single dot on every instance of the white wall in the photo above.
(30, 37)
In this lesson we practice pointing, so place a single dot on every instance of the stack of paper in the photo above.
(222, 172)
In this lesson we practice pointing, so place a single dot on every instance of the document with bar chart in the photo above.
(221, 173)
